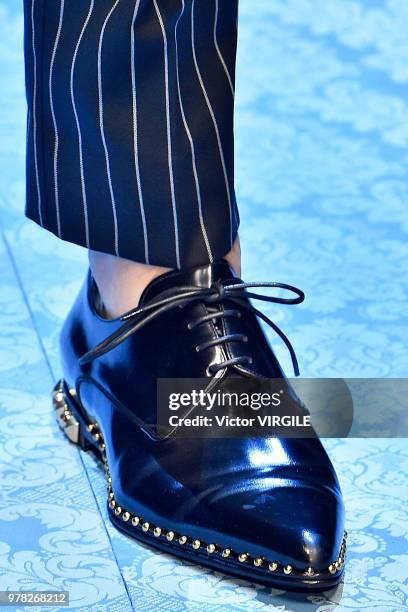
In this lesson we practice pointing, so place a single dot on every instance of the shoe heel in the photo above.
(73, 420)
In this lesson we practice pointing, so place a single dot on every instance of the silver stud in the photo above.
(118, 510)
(196, 544)
(226, 552)
(332, 568)
(66, 414)
(125, 516)
(135, 521)
(182, 539)
(96, 436)
(91, 427)
(111, 495)
(157, 531)
(242, 557)
(211, 548)
(170, 536)
(273, 566)
(310, 571)
(288, 569)
(59, 397)
(102, 446)
(112, 503)
(258, 562)
(146, 526)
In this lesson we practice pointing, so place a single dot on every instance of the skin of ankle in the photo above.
(234, 257)
(121, 282)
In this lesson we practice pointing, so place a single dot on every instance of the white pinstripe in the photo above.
(135, 139)
(224, 65)
(102, 129)
(34, 113)
(169, 151)
(81, 164)
(213, 119)
(190, 138)
(56, 142)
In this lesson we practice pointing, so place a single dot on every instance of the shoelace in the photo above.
(218, 292)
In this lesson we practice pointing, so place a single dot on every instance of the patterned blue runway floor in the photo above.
(321, 156)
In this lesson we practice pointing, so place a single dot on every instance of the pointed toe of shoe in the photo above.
(309, 521)
(292, 530)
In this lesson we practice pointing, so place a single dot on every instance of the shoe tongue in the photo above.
(198, 276)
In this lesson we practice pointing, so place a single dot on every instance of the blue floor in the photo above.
(321, 158)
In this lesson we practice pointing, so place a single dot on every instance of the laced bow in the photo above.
(182, 296)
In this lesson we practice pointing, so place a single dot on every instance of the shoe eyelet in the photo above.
(197, 348)
(189, 326)
(245, 339)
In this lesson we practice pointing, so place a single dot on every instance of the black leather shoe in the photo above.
(266, 509)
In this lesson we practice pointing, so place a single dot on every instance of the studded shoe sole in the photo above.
(80, 430)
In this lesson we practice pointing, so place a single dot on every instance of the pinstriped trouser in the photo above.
(130, 125)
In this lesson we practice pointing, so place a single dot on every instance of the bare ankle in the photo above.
(234, 257)
(120, 282)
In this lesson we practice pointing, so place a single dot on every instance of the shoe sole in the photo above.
(85, 433)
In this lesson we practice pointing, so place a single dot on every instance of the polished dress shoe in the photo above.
(266, 509)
